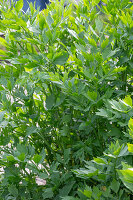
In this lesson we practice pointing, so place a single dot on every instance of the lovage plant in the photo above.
(58, 69)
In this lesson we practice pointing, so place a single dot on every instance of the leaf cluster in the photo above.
(66, 101)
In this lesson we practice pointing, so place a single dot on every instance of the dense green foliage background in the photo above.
(66, 87)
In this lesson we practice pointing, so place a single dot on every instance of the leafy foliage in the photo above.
(66, 101)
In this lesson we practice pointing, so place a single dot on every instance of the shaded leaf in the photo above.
(13, 190)
(47, 193)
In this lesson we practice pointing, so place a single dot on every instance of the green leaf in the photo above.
(87, 192)
(127, 177)
(92, 42)
(31, 150)
(47, 193)
(3, 42)
(3, 52)
(19, 5)
(92, 95)
(95, 2)
(43, 175)
(123, 151)
(10, 158)
(43, 155)
(73, 33)
(105, 43)
(119, 106)
(37, 158)
(66, 189)
(80, 47)
(125, 165)
(22, 148)
(61, 58)
(101, 161)
(114, 149)
(128, 100)
(96, 193)
(130, 148)
(1, 88)
(2, 113)
(21, 157)
(32, 167)
(13, 190)
(59, 158)
(59, 99)
(130, 124)
(86, 173)
(30, 130)
(50, 20)
(107, 53)
(114, 132)
(94, 32)
(67, 155)
(115, 185)
(104, 113)
(123, 60)
(41, 22)
(50, 101)
(99, 25)
(105, 1)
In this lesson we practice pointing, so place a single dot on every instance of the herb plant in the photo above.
(66, 108)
